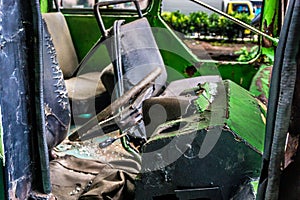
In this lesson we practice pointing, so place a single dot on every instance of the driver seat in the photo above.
(82, 89)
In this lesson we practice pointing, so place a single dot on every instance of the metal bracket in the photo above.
(104, 31)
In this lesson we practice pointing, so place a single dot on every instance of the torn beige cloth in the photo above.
(76, 178)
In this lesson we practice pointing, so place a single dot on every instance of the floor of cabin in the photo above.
(85, 171)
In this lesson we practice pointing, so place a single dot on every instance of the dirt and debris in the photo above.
(90, 149)
(216, 50)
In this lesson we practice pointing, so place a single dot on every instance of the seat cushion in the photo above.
(89, 85)
(108, 79)
(85, 86)
(59, 31)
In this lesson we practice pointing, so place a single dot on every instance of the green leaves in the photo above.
(206, 25)
(245, 55)
(177, 20)
(199, 22)
(213, 25)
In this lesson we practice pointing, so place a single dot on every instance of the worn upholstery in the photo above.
(56, 102)
(140, 54)
(74, 178)
(87, 85)
(89, 172)
(59, 31)
(80, 87)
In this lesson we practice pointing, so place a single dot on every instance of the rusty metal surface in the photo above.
(261, 83)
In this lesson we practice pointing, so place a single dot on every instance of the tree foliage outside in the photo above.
(245, 55)
(204, 25)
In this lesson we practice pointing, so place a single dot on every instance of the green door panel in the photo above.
(241, 74)
(246, 116)
(84, 32)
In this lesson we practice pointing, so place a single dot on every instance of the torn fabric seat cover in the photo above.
(74, 178)
(104, 174)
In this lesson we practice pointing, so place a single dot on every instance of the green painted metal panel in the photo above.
(254, 184)
(97, 61)
(270, 17)
(44, 6)
(245, 116)
(203, 100)
(84, 32)
(174, 52)
(231, 146)
(261, 83)
(229, 163)
(241, 74)
(268, 54)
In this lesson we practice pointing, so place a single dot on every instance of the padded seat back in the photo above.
(140, 54)
(59, 31)
(85, 90)
(56, 102)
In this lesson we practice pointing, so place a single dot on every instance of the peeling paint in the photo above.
(16, 133)
(239, 139)
(245, 110)
(261, 84)
(209, 91)
(10, 38)
(268, 30)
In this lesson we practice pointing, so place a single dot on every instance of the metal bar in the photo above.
(113, 2)
(39, 97)
(137, 5)
(118, 69)
(239, 22)
(57, 6)
(103, 31)
(99, 19)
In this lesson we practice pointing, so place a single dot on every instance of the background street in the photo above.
(186, 6)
